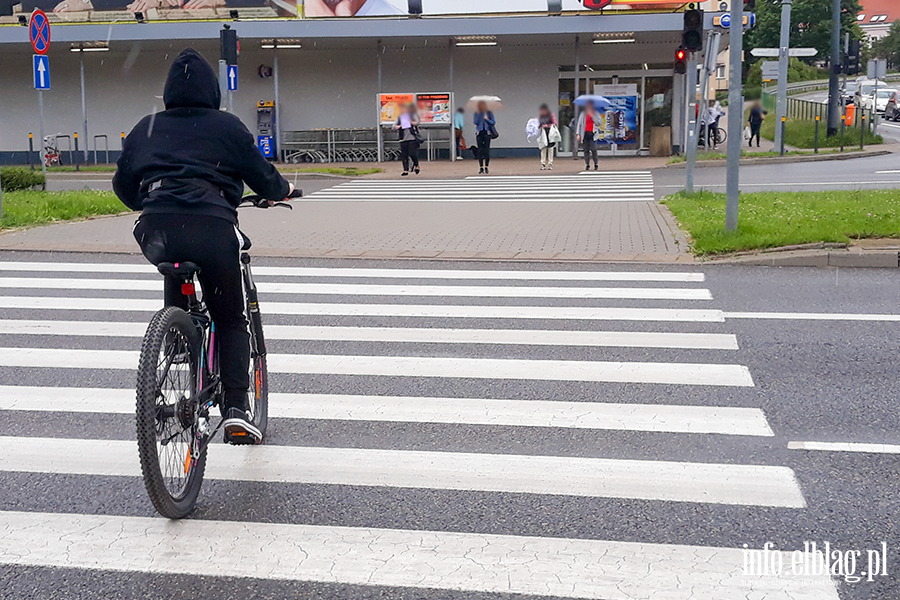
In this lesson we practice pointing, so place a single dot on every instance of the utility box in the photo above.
(265, 129)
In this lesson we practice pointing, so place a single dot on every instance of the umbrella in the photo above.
(600, 103)
(493, 102)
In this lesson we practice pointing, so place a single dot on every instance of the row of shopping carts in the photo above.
(336, 145)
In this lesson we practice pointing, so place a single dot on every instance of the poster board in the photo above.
(619, 123)
(434, 109)
(391, 105)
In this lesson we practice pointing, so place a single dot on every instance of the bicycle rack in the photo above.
(105, 143)
(68, 139)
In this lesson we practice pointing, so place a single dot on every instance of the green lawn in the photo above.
(27, 208)
(802, 134)
(772, 219)
(709, 156)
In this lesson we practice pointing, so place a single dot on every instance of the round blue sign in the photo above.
(39, 32)
(726, 20)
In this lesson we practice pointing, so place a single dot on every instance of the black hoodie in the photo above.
(200, 156)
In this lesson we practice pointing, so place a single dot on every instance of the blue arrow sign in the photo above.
(41, 72)
(232, 78)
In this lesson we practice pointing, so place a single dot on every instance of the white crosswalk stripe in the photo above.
(627, 186)
(589, 330)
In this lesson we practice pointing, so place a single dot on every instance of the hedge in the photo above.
(20, 178)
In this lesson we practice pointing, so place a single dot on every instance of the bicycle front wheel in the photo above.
(723, 135)
(259, 375)
(172, 457)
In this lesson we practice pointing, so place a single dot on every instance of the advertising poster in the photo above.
(391, 105)
(618, 124)
(433, 108)
(384, 8)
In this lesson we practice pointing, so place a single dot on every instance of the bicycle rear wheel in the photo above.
(723, 135)
(259, 375)
(169, 447)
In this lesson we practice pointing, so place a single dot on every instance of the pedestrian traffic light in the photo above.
(692, 37)
(229, 42)
(681, 61)
(749, 5)
(851, 60)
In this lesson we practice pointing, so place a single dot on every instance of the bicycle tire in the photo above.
(171, 334)
(259, 376)
(723, 135)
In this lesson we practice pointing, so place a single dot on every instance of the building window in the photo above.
(861, 17)
(720, 71)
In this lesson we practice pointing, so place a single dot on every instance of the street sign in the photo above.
(877, 68)
(39, 32)
(724, 20)
(41, 72)
(776, 52)
(770, 70)
(232, 78)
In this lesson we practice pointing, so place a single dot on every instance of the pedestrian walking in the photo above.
(408, 125)
(459, 121)
(757, 116)
(548, 137)
(588, 128)
(485, 131)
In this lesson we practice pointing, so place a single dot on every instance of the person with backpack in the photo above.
(485, 131)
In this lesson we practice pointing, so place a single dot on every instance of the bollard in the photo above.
(30, 149)
(783, 129)
(843, 127)
(862, 132)
(816, 147)
(75, 158)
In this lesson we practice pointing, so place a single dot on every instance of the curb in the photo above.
(787, 159)
(824, 257)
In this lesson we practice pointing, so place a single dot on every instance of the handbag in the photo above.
(492, 132)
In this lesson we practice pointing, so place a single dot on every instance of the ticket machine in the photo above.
(265, 129)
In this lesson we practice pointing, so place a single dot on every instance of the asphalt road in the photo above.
(693, 449)
(876, 172)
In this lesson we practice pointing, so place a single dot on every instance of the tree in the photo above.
(810, 25)
(888, 47)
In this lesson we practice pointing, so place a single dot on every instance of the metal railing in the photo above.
(105, 143)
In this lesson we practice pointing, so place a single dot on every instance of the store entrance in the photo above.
(642, 100)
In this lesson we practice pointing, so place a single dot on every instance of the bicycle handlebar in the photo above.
(260, 202)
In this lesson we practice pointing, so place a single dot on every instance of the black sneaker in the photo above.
(238, 428)
(481, 171)
(487, 171)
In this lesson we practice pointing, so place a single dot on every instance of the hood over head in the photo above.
(192, 83)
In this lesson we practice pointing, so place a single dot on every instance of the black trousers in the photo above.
(754, 132)
(409, 153)
(589, 147)
(213, 244)
(484, 149)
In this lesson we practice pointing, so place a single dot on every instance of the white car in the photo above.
(882, 97)
(864, 94)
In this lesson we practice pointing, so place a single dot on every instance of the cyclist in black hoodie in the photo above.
(184, 169)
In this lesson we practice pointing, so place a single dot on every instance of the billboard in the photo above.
(619, 123)
(386, 8)
(433, 109)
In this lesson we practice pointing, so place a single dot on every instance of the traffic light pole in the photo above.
(783, 60)
(692, 121)
(833, 84)
(735, 116)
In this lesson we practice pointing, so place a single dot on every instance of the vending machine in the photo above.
(265, 129)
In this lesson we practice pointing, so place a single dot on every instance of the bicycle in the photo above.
(178, 384)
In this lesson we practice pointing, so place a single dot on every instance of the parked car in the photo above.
(849, 91)
(882, 97)
(892, 109)
(864, 94)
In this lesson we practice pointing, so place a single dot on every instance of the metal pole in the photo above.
(75, 158)
(378, 130)
(41, 153)
(833, 84)
(278, 152)
(735, 117)
(30, 149)
(875, 108)
(84, 110)
(223, 84)
(781, 127)
(692, 121)
(862, 132)
(452, 106)
(783, 60)
(843, 129)
(577, 91)
(816, 151)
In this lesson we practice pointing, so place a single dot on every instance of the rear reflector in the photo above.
(187, 289)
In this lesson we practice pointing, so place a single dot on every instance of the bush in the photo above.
(20, 178)
(752, 93)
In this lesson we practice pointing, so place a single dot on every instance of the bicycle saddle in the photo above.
(181, 270)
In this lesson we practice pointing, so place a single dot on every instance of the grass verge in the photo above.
(772, 219)
(27, 208)
(802, 134)
(712, 156)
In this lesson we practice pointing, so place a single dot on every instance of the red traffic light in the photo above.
(680, 55)
(681, 61)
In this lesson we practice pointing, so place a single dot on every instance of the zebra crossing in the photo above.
(594, 186)
(413, 417)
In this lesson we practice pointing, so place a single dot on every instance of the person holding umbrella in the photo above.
(485, 129)
(408, 125)
(588, 131)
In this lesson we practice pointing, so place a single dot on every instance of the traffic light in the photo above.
(681, 61)
(749, 5)
(229, 42)
(415, 7)
(692, 37)
(851, 60)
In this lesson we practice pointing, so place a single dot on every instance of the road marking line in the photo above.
(787, 184)
(517, 198)
(468, 562)
(349, 289)
(845, 447)
(663, 276)
(663, 418)
(540, 337)
(738, 485)
(419, 366)
(887, 172)
(811, 316)
(430, 311)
